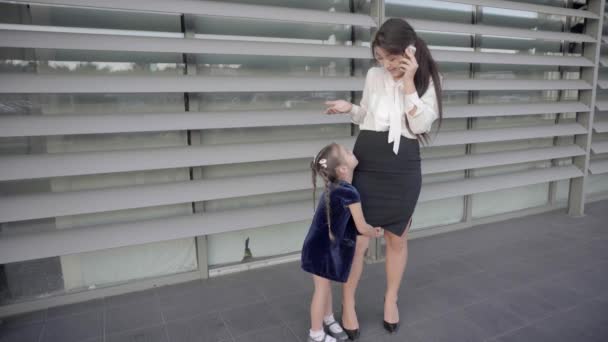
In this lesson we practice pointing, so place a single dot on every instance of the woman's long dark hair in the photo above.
(394, 36)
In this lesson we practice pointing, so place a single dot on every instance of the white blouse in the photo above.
(384, 107)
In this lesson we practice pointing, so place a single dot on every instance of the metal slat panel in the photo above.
(87, 163)
(91, 32)
(507, 58)
(62, 242)
(21, 125)
(437, 26)
(69, 241)
(521, 6)
(498, 84)
(20, 38)
(83, 163)
(599, 147)
(442, 190)
(598, 167)
(506, 109)
(602, 84)
(506, 134)
(221, 9)
(438, 165)
(26, 83)
(65, 124)
(17, 208)
(601, 105)
(600, 127)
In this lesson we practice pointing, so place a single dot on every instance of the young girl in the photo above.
(329, 246)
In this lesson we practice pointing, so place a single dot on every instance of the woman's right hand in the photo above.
(338, 107)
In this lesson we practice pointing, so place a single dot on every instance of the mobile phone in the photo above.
(411, 48)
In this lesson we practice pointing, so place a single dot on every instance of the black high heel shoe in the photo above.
(352, 334)
(390, 327)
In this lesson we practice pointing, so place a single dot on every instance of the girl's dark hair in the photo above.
(394, 36)
(327, 172)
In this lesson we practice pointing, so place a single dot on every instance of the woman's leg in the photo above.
(349, 316)
(396, 259)
(318, 306)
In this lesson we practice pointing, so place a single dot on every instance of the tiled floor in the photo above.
(538, 278)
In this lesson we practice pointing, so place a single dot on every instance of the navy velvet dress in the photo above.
(321, 256)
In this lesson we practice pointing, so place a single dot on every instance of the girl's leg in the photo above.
(396, 260)
(329, 304)
(349, 316)
(318, 306)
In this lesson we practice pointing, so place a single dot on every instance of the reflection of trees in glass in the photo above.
(577, 26)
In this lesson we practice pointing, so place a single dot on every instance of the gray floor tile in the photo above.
(492, 319)
(203, 328)
(420, 276)
(565, 328)
(277, 284)
(590, 282)
(448, 328)
(299, 328)
(296, 306)
(591, 317)
(182, 306)
(404, 334)
(219, 297)
(417, 305)
(130, 298)
(149, 334)
(131, 317)
(277, 333)
(482, 284)
(191, 287)
(520, 274)
(23, 333)
(249, 318)
(453, 267)
(74, 328)
(526, 334)
(558, 294)
(92, 305)
(488, 259)
(23, 319)
(525, 304)
(449, 295)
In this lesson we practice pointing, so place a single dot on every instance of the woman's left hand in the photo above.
(408, 65)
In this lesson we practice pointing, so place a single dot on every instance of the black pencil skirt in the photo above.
(389, 184)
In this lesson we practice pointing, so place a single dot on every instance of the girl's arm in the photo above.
(421, 112)
(362, 226)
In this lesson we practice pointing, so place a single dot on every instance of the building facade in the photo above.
(151, 142)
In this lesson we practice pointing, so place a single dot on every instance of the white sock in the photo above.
(335, 328)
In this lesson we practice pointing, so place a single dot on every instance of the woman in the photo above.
(401, 100)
